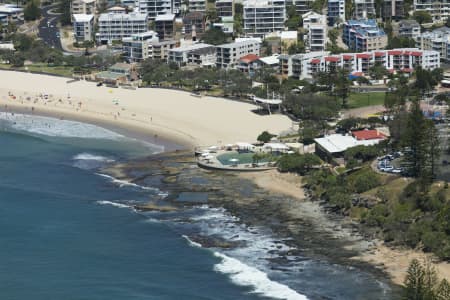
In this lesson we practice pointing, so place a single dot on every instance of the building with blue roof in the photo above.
(364, 35)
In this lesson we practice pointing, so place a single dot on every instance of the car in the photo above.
(99, 84)
(396, 171)
(387, 169)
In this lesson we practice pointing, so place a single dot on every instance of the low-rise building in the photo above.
(316, 26)
(203, 57)
(404, 60)
(83, 27)
(165, 26)
(301, 6)
(364, 35)
(409, 29)
(118, 73)
(181, 55)
(336, 12)
(334, 145)
(262, 17)
(115, 27)
(248, 64)
(229, 54)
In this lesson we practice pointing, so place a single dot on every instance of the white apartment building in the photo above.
(225, 8)
(439, 10)
(228, 55)
(301, 6)
(197, 5)
(200, 54)
(10, 13)
(83, 27)
(86, 7)
(138, 47)
(336, 12)
(262, 17)
(403, 60)
(115, 27)
(437, 40)
(316, 26)
(154, 8)
(364, 9)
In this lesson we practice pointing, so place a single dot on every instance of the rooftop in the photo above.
(119, 16)
(270, 60)
(289, 35)
(249, 58)
(368, 135)
(82, 17)
(166, 17)
(240, 43)
(191, 47)
(336, 143)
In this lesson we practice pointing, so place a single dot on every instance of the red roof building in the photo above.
(395, 52)
(380, 54)
(347, 57)
(368, 135)
(249, 58)
(315, 61)
(363, 55)
(332, 59)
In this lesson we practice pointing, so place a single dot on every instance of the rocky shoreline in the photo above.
(302, 224)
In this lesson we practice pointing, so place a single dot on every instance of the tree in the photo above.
(293, 19)
(64, 8)
(377, 71)
(32, 11)
(443, 290)
(265, 137)
(414, 281)
(342, 86)
(214, 36)
(422, 17)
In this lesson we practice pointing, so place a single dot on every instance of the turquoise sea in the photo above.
(69, 232)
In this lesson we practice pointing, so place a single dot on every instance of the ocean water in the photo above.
(68, 231)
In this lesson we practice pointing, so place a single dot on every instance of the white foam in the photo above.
(88, 156)
(191, 242)
(244, 275)
(122, 183)
(57, 128)
(120, 205)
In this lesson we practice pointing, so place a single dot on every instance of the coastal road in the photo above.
(48, 31)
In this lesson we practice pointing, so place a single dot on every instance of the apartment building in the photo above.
(197, 5)
(83, 27)
(393, 9)
(439, 10)
(262, 17)
(336, 12)
(165, 26)
(138, 47)
(364, 35)
(364, 9)
(316, 26)
(436, 40)
(192, 54)
(225, 8)
(113, 27)
(86, 7)
(409, 29)
(228, 55)
(301, 6)
(194, 24)
(10, 13)
(404, 60)
(154, 8)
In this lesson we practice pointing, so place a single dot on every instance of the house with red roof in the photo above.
(368, 134)
(248, 64)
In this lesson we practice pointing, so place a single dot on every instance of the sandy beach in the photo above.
(175, 115)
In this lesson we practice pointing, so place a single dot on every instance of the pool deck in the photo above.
(214, 164)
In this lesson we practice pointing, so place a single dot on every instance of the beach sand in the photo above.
(174, 115)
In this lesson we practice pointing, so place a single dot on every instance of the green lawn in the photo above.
(356, 100)
(57, 70)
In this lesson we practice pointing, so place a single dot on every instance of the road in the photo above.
(48, 31)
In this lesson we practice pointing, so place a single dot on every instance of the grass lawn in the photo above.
(356, 100)
(57, 70)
